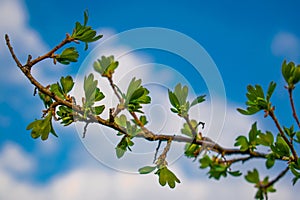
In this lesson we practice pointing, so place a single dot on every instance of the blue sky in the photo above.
(247, 41)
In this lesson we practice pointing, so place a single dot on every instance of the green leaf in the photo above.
(289, 131)
(121, 121)
(42, 128)
(86, 17)
(147, 169)
(106, 66)
(85, 33)
(186, 128)
(67, 84)
(143, 119)
(296, 75)
(47, 100)
(123, 145)
(270, 161)
(173, 100)
(265, 139)
(136, 95)
(166, 176)
(191, 150)
(65, 115)
(99, 109)
(270, 90)
(242, 142)
(298, 136)
(235, 173)
(281, 147)
(205, 162)
(57, 90)
(252, 176)
(198, 100)
(90, 86)
(68, 55)
(253, 133)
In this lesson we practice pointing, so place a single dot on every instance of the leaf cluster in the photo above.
(165, 175)
(42, 127)
(135, 96)
(290, 73)
(126, 141)
(85, 33)
(178, 99)
(106, 66)
(253, 177)
(257, 100)
(217, 169)
(92, 95)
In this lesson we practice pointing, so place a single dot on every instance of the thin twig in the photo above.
(194, 132)
(272, 115)
(156, 151)
(290, 90)
(49, 54)
(276, 179)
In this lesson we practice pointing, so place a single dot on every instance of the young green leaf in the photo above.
(106, 66)
(265, 139)
(147, 169)
(136, 95)
(67, 56)
(252, 176)
(57, 90)
(67, 84)
(173, 100)
(166, 176)
(85, 33)
(242, 142)
(42, 128)
(270, 90)
(205, 162)
(235, 173)
(198, 100)
(99, 109)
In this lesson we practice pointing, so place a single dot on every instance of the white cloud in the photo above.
(94, 182)
(25, 40)
(286, 44)
(13, 159)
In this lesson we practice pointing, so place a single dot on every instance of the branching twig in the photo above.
(272, 115)
(276, 179)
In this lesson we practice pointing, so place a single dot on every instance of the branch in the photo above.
(276, 179)
(290, 90)
(146, 134)
(60, 101)
(50, 54)
(272, 115)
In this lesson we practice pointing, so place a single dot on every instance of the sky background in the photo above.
(247, 41)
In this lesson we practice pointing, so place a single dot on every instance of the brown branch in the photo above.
(290, 90)
(46, 91)
(146, 134)
(272, 115)
(275, 179)
(50, 54)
